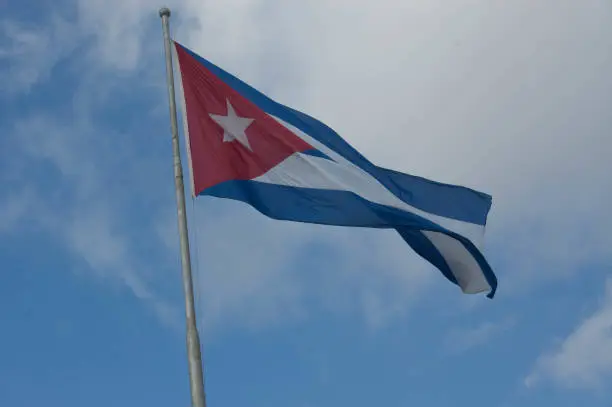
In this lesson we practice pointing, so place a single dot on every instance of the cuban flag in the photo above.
(242, 145)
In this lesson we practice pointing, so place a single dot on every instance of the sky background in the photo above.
(510, 98)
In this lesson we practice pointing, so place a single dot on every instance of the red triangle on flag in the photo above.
(230, 138)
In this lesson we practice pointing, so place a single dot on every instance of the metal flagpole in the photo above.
(196, 376)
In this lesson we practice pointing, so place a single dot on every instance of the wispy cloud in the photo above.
(73, 209)
(462, 340)
(256, 272)
(29, 53)
(583, 360)
(13, 208)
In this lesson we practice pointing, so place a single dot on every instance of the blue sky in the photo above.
(509, 99)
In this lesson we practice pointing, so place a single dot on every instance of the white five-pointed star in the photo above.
(233, 126)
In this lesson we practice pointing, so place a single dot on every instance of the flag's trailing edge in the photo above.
(242, 145)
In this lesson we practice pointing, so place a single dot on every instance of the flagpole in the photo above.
(196, 376)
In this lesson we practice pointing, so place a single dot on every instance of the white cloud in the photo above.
(14, 208)
(254, 272)
(74, 210)
(29, 53)
(241, 281)
(461, 340)
(117, 27)
(584, 359)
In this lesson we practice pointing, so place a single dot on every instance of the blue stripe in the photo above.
(446, 200)
(342, 208)
(450, 201)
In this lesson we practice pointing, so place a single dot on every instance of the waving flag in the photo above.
(244, 146)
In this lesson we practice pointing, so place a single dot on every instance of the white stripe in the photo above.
(461, 262)
(306, 171)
